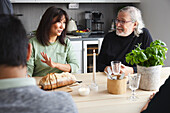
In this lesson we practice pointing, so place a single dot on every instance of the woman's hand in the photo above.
(126, 69)
(47, 60)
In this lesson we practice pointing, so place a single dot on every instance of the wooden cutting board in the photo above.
(65, 88)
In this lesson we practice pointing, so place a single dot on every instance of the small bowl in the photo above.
(84, 90)
(84, 34)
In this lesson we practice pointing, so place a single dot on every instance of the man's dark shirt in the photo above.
(116, 47)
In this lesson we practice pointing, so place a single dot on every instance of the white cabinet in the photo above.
(77, 49)
(75, 1)
(102, 1)
(44, 1)
(84, 1)
(127, 1)
(22, 1)
(115, 1)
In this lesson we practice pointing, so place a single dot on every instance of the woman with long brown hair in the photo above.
(52, 52)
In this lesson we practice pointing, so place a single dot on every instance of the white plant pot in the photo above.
(150, 77)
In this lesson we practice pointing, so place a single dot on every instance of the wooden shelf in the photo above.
(92, 54)
(89, 48)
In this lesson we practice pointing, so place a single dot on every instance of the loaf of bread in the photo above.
(55, 80)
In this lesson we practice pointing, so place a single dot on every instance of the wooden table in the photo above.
(103, 102)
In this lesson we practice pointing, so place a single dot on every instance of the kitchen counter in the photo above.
(91, 37)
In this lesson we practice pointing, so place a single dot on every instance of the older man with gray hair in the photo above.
(130, 30)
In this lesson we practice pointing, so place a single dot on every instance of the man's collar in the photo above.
(16, 82)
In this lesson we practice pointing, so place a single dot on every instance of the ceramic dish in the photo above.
(83, 34)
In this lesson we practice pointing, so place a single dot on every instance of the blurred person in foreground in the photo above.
(52, 51)
(130, 31)
(159, 102)
(19, 94)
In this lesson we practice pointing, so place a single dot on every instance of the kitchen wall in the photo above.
(155, 14)
(157, 19)
(33, 12)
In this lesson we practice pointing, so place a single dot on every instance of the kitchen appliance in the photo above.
(93, 22)
(71, 26)
(88, 47)
(112, 28)
(88, 20)
(83, 49)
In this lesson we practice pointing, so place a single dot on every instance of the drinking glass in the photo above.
(116, 65)
(134, 80)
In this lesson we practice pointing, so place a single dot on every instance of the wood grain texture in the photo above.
(104, 102)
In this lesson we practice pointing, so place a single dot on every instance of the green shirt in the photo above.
(56, 51)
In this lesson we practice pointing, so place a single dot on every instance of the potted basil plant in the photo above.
(149, 63)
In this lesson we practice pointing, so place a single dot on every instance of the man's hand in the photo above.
(47, 60)
(126, 69)
(123, 69)
(105, 70)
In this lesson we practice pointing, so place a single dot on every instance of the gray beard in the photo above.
(120, 34)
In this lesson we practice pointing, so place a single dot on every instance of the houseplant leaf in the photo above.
(151, 56)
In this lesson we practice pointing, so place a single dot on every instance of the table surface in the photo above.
(103, 102)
